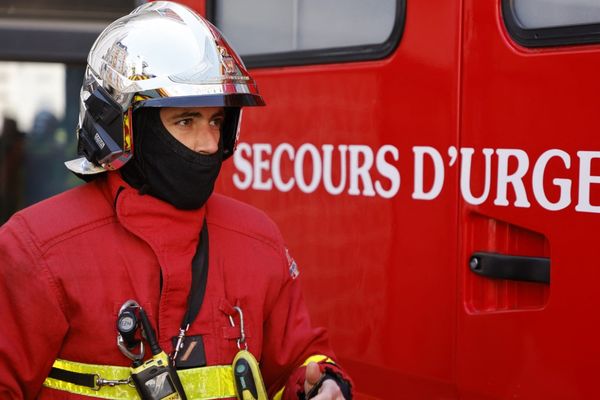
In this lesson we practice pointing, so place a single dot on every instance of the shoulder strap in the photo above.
(199, 278)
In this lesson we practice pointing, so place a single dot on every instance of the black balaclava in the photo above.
(165, 168)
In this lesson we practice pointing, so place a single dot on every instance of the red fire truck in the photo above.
(435, 169)
(440, 192)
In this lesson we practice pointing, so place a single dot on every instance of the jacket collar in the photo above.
(161, 225)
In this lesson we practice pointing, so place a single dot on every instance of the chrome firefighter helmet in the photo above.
(162, 54)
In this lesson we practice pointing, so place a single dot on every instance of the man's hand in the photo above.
(329, 389)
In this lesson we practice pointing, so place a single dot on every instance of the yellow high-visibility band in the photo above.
(316, 358)
(215, 382)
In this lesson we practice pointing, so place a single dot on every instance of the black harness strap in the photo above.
(199, 278)
(77, 378)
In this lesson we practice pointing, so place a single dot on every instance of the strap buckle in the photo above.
(100, 382)
(179, 344)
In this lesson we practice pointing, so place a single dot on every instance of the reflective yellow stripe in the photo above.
(205, 383)
(316, 358)
(208, 382)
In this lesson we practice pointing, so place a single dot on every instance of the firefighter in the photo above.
(143, 283)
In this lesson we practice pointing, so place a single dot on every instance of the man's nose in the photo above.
(207, 140)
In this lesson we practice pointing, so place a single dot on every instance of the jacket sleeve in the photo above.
(33, 320)
(290, 342)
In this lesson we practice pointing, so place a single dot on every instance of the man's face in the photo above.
(198, 128)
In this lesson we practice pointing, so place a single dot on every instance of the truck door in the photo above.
(332, 159)
(528, 314)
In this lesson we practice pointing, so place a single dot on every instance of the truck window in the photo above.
(543, 23)
(275, 32)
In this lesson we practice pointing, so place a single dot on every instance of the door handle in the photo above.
(517, 268)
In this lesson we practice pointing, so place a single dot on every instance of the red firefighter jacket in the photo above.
(68, 263)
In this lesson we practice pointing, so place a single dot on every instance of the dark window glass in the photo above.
(89, 9)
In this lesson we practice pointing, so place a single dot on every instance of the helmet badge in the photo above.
(227, 61)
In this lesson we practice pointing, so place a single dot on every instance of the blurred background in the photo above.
(42, 61)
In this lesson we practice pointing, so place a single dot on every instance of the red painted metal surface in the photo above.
(198, 5)
(533, 100)
(378, 272)
(387, 270)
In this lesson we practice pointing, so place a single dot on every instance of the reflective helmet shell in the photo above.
(162, 54)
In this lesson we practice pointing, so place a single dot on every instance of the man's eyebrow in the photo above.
(187, 114)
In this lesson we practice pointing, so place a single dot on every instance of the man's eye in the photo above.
(184, 122)
(217, 122)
